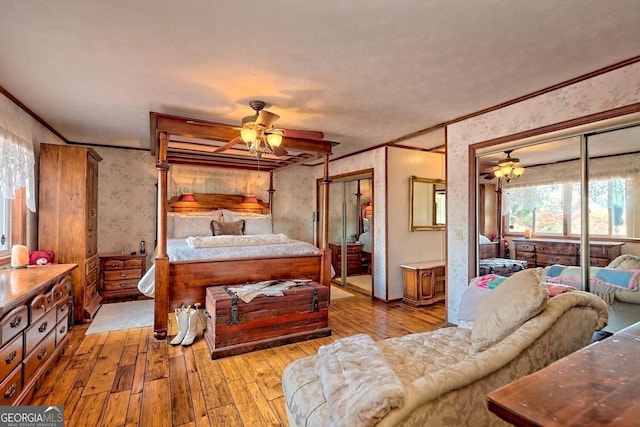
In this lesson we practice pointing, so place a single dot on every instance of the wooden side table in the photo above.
(424, 283)
(595, 386)
(119, 275)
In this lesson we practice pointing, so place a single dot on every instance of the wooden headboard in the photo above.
(209, 201)
(489, 250)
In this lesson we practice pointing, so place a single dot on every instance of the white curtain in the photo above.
(17, 164)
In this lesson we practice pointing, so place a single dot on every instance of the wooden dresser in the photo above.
(424, 283)
(119, 276)
(34, 321)
(68, 218)
(354, 257)
(544, 252)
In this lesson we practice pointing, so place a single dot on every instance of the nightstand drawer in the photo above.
(120, 285)
(121, 275)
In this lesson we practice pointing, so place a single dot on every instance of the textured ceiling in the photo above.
(364, 73)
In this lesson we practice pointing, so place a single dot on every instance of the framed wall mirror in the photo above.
(427, 204)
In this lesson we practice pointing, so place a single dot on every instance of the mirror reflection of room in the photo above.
(536, 218)
(351, 230)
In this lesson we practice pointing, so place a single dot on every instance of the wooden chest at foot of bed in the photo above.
(235, 327)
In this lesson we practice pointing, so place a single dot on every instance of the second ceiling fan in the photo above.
(258, 133)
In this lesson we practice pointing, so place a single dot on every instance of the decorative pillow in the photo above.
(185, 226)
(471, 299)
(235, 228)
(626, 262)
(517, 299)
(41, 257)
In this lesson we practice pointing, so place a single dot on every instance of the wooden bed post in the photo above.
(161, 306)
(325, 272)
(271, 191)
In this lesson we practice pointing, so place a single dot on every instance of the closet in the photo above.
(68, 218)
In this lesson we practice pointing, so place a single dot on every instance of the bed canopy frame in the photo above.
(183, 140)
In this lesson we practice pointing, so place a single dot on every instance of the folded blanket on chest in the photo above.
(357, 381)
(602, 281)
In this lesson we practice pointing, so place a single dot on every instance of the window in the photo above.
(5, 227)
(555, 209)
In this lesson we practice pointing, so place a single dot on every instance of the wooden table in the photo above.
(424, 283)
(596, 386)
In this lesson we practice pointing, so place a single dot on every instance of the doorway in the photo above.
(350, 226)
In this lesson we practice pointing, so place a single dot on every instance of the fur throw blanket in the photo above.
(358, 383)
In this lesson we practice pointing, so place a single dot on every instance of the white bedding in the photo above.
(365, 239)
(179, 250)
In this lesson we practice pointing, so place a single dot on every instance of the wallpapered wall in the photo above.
(614, 89)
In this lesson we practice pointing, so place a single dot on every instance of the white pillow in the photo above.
(188, 225)
(212, 214)
(255, 226)
(253, 223)
(365, 225)
(517, 299)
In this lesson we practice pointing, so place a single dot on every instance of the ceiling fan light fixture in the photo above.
(274, 139)
(248, 135)
(508, 168)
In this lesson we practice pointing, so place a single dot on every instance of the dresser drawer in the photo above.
(39, 306)
(10, 356)
(39, 356)
(122, 275)
(545, 259)
(38, 330)
(11, 387)
(13, 323)
(557, 249)
(62, 328)
(62, 309)
(525, 247)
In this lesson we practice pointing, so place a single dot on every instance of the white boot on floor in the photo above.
(192, 330)
(182, 318)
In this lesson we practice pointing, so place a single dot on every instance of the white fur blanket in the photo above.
(358, 383)
(243, 240)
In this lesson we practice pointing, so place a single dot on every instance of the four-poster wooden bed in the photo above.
(194, 141)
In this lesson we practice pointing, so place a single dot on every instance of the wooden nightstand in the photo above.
(119, 275)
(354, 257)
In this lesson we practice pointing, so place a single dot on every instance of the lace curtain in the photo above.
(17, 167)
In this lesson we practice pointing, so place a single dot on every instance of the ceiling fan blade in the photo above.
(304, 134)
(280, 151)
(266, 118)
(229, 144)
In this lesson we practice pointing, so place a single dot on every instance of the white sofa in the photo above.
(442, 377)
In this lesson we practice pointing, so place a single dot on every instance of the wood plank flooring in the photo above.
(128, 378)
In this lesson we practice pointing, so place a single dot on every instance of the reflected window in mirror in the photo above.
(427, 204)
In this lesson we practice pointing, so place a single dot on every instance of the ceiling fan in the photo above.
(258, 133)
(508, 168)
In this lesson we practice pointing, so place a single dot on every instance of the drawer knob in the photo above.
(10, 391)
(42, 353)
(62, 329)
(123, 274)
(12, 357)
(16, 321)
(63, 308)
(43, 326)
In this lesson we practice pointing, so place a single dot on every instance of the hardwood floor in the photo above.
(127, 378)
